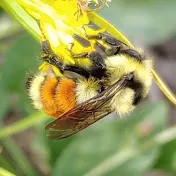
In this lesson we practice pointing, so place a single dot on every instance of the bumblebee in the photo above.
(117, 81)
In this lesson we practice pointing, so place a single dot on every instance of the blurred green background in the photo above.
(140, 145)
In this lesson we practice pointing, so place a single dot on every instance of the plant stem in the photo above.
(18, 156)
(23, 124)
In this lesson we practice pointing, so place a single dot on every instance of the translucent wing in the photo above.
(86, 113)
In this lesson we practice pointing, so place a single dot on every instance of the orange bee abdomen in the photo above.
(47, 93)
(54, 96)
(65, 95)
(58, 96)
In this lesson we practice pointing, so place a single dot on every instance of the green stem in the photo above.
(23, 124)
(15, 152)
(18, 156)
(4, 161)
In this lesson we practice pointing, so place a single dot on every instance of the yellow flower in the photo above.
(57, 21)
(60, 21)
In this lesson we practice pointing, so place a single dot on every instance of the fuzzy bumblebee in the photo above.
(117, 79)
(90, 70)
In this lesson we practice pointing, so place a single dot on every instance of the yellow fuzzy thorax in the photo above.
(117, 67)
(120, 65)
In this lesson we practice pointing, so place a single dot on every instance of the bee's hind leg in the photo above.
(48, 56)
(132, 53)
(80, 55)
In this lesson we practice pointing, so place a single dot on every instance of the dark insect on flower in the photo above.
(90, 71)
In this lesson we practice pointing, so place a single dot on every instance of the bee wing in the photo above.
(85, 114)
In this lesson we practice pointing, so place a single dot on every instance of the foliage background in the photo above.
(112, 146)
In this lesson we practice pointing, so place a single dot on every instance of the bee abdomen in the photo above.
(65, 96)
(33, 85)
(47, 93)
(53, 96)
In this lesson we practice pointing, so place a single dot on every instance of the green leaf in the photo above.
(6, 163)
(19, 126)
(9, 28)
(21, 161)
(4, 102)
(144, 20)
(14, 9)
(167, 158)
(54, 148)
(20, 59)
(113, 147)
(4, 172)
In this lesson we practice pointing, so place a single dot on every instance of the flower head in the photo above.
(61, 21)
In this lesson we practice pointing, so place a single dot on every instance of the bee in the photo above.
(117, 81)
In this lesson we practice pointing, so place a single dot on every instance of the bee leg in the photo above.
(77, 70)
(107, 38)
(132, 53)
(98, 67)
(45, 47)
(112, 50)
(81, 55)
(96, 37)
(48, 56)
(53, 60)
(97, 59)
(116, 47)
(110, 40)
(115, 44)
